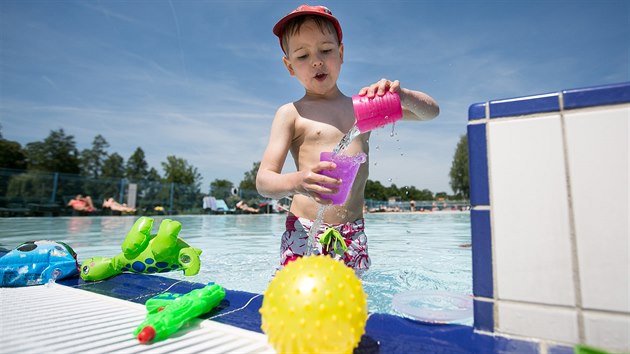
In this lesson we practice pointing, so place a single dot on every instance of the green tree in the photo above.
(177, 170)
(375, 190)
(185, 182)
(113, 171)
(113, 166)
(12, 155)
(221, 188)
(459, 169)
(248, 184)
(153, 175)
(137, 167)
(92, 160)
(441, 195)
(57, 153)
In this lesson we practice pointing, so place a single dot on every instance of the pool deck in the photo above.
(384, 333)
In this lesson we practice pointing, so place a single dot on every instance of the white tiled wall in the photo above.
(559, 197)
(530, 211)
(598, 161)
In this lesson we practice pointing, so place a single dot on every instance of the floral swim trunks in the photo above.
(346, 242)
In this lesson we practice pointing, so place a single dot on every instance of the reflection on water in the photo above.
(409, 251)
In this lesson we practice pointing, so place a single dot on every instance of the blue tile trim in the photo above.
(481, 253)
(478, 165)
(477, 111)
(525, 105)
(597, 96)
(484, 315)
(560, 349)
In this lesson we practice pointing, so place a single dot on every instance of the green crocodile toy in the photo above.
(146, 253)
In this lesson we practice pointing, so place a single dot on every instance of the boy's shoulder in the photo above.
(287, 108)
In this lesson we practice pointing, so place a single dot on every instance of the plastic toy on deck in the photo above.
(37, 262)
(314, 305)
(146, 253)
(168, 312)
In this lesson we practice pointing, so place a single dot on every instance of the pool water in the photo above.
(409, 251)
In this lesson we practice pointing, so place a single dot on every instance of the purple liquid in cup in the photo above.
(372, 113)
(347, 167)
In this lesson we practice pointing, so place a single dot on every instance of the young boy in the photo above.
(311, 39)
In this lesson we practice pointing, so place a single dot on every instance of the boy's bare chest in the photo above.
(324, 126)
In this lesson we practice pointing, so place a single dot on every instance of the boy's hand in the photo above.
(379, 88)
(312, 182)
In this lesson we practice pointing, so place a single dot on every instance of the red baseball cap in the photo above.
(302, 10)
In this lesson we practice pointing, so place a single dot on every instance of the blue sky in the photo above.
(202, 80)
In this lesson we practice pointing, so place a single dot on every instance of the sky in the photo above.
(202, 80)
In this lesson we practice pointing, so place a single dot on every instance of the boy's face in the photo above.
(314, 58)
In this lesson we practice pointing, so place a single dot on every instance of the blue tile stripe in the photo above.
(596, 96)
(484, 315)
(550, 102)
(481, 234)
(478, 165)
(519, 106)
(477, 111)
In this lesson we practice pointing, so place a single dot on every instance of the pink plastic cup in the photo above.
(376, 112)
(347, 167)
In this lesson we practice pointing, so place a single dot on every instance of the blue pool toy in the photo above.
(37, 262)
(146, 253)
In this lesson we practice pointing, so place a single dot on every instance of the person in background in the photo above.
(81, 203)
(115, 206)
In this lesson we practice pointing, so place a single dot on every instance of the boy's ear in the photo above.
(287, 64)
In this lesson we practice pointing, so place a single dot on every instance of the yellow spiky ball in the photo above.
(314, 305)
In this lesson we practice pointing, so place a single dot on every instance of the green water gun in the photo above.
(168, 312)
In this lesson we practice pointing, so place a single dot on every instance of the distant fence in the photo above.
(420, 205)
(30, 193)
(47, 193)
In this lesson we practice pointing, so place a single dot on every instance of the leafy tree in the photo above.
(137, 166)
(221, 188)
(248, 184)
(12, 155)
(113, 172)
(375, 190)
(153, 175)
(459, 169)
(177, 170)
(57, 153)
(113, 166)
(92, 160)
(185, 179)
(150, 191)
(441, 195)
(412, 193)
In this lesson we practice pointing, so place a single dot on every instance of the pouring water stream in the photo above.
(339, 149)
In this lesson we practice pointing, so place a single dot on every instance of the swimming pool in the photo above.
(409, 251)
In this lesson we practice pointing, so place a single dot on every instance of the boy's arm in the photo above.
(271, 182)
(416, 105)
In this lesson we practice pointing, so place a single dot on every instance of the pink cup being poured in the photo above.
(372, 113)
